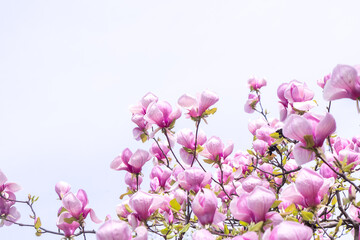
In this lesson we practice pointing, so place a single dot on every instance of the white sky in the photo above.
(70, 69)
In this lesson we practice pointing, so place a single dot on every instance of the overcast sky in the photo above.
(70, 69)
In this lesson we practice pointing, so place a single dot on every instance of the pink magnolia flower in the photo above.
(288, 230)
(68, 228)
(323, 81)
(250, 104)
(132, 182)
(160, 178)
(197, 106)
(121, 209)
(256, 83)
(308, 190)
(62, 188)
(294, 91)
(205, 207)
(138, 111)
(130, 162)
(260, 146)
(215, 149)
(161, 114)
(6, 206)
(254, 206)
(247, 236)
(315, 126)
(7, 189)
(141, 233)
(186, 138)
(194, 179)
(344, 83)
(202, 234)
(114, 230)
(77, 206)
(144, 204)
(160, 153)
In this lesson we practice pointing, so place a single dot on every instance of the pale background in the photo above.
(70, 69)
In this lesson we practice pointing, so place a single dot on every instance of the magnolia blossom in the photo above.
(344, 83)
(62, 188)
(160, 178)
(194, 179)
(288, 230)
(186, 138)
(216, 150)
(205, 207)
(144, 204)
(114, 230)
(68, 228)
(308, 190)
(312, 126)
(159, 152)
(250, 104)
(161, 114)
(130, 162)
(132, 181)
(138, 111)
(203, 234)
(254, 206)
(247, 236)
(293, 96)
(256, 83)
(6, 206)
(76, 206)
(197, 106)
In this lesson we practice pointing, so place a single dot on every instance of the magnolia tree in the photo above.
(298, 181)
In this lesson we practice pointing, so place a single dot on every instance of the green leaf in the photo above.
(127, 207)
(164, 231)
(338, 226)
(226, 230)
(69, 220)
(175, 205)
(275, 135)
(276, 203)
(37, 223)
(251, 152)
(143, 137)
(348, 167)
(199, 148)
(309, 141)
(188, 150)
(172, 124)
(291, 208)
(210, 111)
(257, 227)
(307, 216)
(123, 195)
(186, 227)
(209, 161)
(242, 223)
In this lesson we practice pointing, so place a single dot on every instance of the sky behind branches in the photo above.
(70, 69)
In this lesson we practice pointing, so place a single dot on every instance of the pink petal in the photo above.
(296, 127)
(326, 126)
(72, 204)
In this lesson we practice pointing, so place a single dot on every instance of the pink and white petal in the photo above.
(82, 196)
(302, 155)
(12, 187)
(93, 216)
(141, 233)
(139, 158)
(296, 127)
(187, 101)
(207, 99)
(326, 126)
(229, 149)
(72, 204)
(3, 178)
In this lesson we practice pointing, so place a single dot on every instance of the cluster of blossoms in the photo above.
(296, 182)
